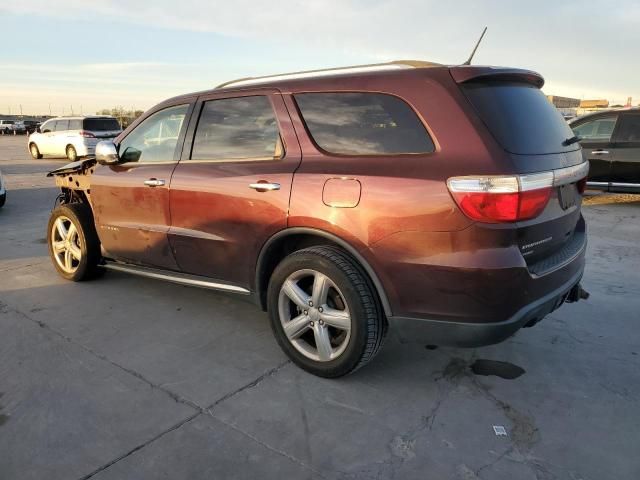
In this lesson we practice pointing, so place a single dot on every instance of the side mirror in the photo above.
(46, 130)
(130, 154)
(106, 153)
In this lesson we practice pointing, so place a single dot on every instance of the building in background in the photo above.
(567, 106)
(588, 106)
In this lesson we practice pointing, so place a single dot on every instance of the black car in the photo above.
(611, 142)
(31, 126)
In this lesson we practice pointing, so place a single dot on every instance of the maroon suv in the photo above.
(444, 198)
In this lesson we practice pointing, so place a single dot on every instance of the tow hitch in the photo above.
(577, 293)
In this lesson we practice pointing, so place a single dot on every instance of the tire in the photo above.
(35, 151)
(85, 240)
(72, 155)
(3, 199)
(347, 314)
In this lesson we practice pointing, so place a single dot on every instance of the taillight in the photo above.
(85, 134)
(497, 199)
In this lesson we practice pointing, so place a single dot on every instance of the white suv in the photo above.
(72, 136)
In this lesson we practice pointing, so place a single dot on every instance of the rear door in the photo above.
(625, 174)
(230, 191)
(597, 146)
(131, 199)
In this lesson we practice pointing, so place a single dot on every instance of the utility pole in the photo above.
(50, 111)
(21, 110)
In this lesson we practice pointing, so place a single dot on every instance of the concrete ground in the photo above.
(130, 378)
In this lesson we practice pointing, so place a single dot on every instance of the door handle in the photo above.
(600, 152)
(265, 187)
(154, 182)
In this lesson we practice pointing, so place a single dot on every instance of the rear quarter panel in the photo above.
(405, 215)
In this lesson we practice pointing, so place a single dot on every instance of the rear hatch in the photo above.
(102, 128)
(538, 140)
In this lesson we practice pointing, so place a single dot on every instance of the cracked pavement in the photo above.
(131, 378)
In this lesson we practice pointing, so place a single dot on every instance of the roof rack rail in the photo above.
(396, 64)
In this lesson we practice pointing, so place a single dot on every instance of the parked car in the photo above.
(73, 137)
(3, 191)
(444, 200)
(18, 128)
(31, 126)
(611, 143)
(6, 126)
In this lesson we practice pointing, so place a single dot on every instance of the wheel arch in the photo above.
(281, 243)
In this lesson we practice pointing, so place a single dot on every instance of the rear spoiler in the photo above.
(464, 74)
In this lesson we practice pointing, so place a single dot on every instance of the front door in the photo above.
(596, 144)
(131, 199)
(230, 192)
(626, 154)
(46, 139)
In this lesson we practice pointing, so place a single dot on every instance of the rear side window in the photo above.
(629, 129)
(598, 130)
(75, 124)
(237, 129)
(62, 125)
(363, 124)
(520, 117)
(101, 124)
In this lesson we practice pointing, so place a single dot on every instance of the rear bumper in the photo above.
(461, 334)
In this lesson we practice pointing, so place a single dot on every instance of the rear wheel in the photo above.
(324, 312)
(3, 199)
(72, 155)
(35, 153)
(73, 242)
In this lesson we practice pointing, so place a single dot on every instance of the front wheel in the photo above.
(324, 312)
(35, 153)
(73, 243)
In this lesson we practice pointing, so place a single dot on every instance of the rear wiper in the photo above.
(571, 141)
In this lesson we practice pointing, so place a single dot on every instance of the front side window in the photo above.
(598, 130)
(47, 126)
(629, 129)
(62, 125)
(155, 139)
(242, 128)
(363, 124)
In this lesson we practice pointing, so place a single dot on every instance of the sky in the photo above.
(61, 56)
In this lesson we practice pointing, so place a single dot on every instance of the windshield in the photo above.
(520, 117)
(101, 124)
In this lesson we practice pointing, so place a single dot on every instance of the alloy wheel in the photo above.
(65, 244)
(314, 315)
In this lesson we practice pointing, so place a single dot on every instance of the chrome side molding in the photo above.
(175, 277)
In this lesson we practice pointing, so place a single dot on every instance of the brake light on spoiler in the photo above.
(499, 199)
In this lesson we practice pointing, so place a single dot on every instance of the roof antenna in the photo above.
(468, 62)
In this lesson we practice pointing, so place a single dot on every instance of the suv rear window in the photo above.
(520, 117)
(363, 124)
(100, 124)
